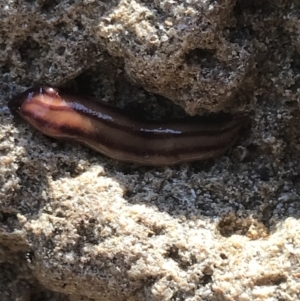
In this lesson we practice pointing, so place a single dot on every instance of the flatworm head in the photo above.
(46, 110)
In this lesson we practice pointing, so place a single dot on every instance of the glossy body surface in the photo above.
(107, 130)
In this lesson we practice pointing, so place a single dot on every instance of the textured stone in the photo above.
(75, 225)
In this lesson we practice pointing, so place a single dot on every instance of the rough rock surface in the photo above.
(75, 225)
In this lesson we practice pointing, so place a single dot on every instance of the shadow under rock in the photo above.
(17, 283)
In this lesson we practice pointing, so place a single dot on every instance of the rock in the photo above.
(75, 225)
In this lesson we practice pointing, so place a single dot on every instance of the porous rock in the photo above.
(75, 225)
